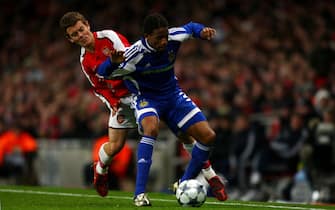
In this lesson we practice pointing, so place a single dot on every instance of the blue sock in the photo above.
(144, 159)
(200, 155)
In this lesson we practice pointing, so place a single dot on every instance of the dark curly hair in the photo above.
(154, 21)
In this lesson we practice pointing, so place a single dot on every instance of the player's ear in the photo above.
(67, 35)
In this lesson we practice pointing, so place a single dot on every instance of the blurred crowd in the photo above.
(266, 83)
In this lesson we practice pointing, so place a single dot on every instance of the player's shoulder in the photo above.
(138, 45)
(135, 49)
(106, 34)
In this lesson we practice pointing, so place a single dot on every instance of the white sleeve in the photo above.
(113, 36)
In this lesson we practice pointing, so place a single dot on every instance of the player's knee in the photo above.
(152, 133)
(150, 126)
(209, 137)
(150, 130)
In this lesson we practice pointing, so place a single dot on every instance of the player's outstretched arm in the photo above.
(106, 68)
(198, 30)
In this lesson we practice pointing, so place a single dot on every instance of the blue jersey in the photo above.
(150, 73)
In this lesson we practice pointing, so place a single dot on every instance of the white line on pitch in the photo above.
(153, 199)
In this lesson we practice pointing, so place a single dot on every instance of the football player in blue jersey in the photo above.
(147, 68)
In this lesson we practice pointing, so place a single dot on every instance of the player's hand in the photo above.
(207, 33)
(117, 56)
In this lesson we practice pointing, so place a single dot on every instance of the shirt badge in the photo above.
(106, 51)
(143, 103)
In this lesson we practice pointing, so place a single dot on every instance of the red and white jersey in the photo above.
(109, 91)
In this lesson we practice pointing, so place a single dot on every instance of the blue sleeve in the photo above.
(106, 68)
(194, 29)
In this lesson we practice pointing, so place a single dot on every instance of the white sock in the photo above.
(101, 170)
(104, 160)
(201, 178)
(208, 172)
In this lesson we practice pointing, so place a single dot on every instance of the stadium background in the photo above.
(267, 56)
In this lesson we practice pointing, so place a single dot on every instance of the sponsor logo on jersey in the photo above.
(143, 103)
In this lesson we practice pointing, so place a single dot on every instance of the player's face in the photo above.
(158, 39)
(80, 34)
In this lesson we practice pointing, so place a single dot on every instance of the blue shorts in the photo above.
(178, 112)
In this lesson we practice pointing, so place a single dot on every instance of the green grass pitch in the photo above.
(50, 198)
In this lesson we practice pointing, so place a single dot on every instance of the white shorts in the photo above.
(124, 117)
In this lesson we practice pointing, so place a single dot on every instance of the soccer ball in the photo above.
(191, 193)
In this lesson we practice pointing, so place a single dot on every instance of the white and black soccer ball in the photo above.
(191, 193)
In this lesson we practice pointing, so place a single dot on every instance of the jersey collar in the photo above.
(146, 45)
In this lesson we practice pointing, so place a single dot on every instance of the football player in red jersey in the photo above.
(96, 48)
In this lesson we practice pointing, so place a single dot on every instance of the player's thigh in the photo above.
(119, 124)
(202, 132)
(150, 125)
(123, 118)
(147, 115)
(117, 134)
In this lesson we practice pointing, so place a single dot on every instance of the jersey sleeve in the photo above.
(185, 32)
(106, 68)
(110, 70)
(194, 29)
(132, 56)
(120, 43)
